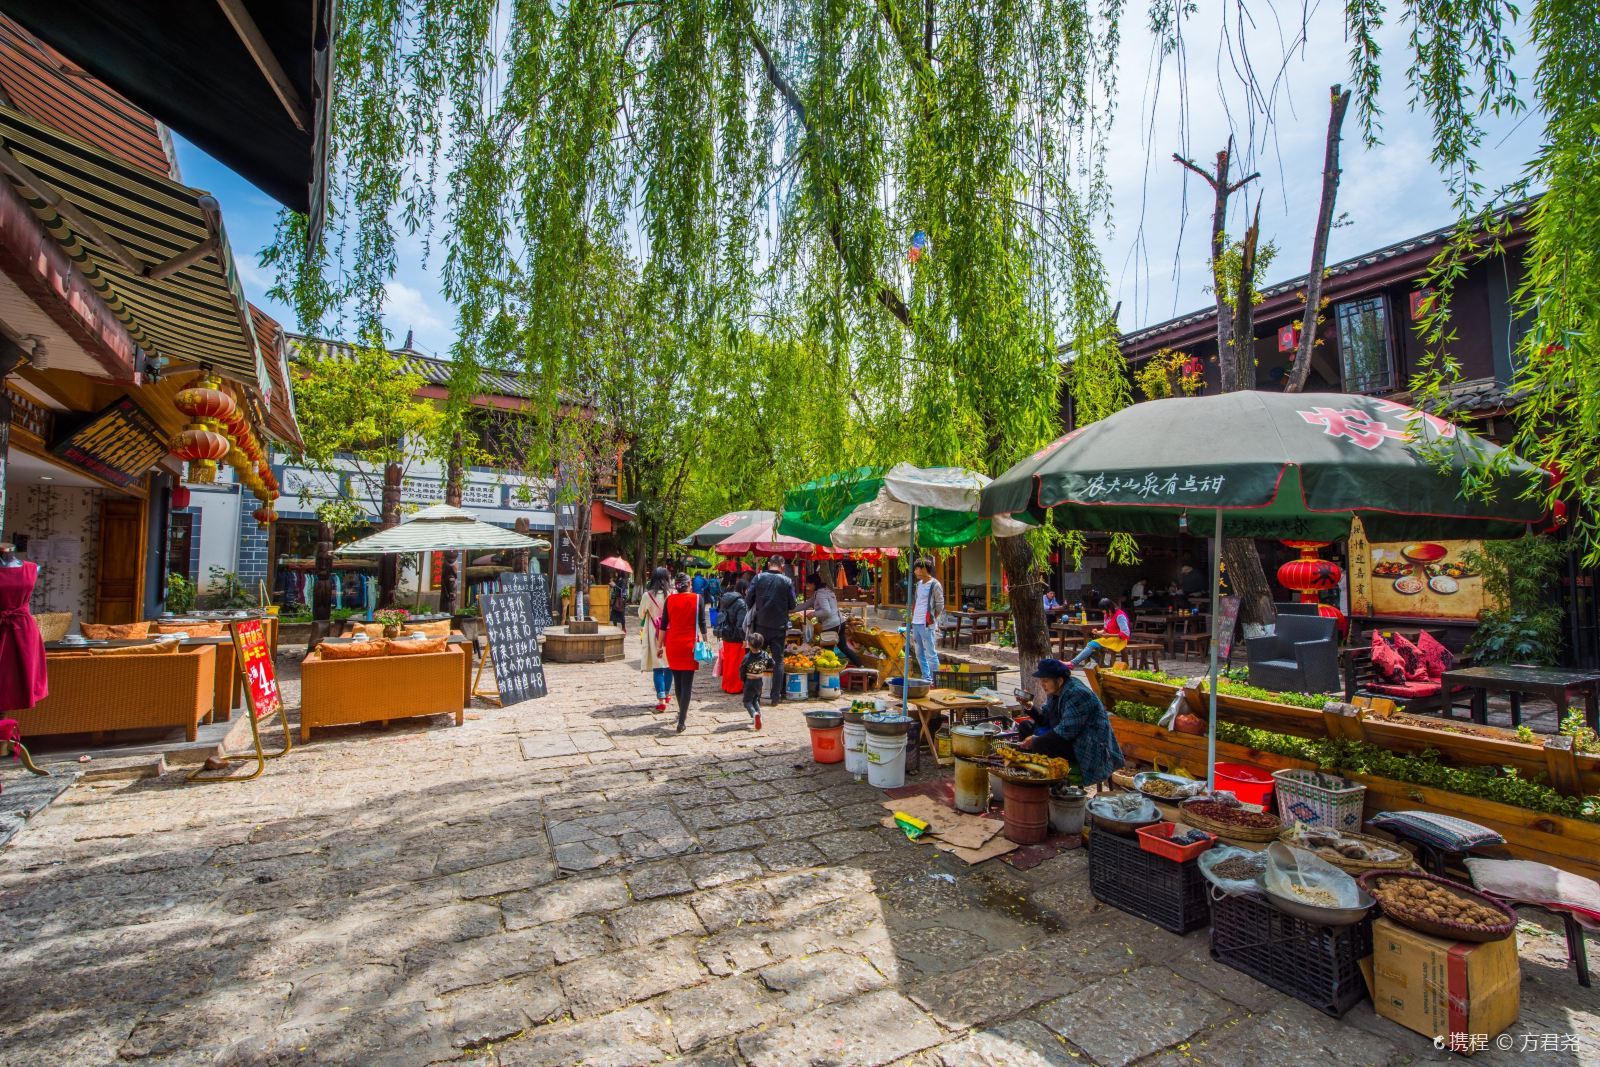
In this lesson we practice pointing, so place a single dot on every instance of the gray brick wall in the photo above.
(254, 544)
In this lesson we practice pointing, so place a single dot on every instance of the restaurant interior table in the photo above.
(973, 625)
(454, 639)
(227, 689)
(1551, 683)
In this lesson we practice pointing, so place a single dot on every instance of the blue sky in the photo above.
(1155, 244)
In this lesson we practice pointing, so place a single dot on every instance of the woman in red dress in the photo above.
(22, 670)
(683, 622)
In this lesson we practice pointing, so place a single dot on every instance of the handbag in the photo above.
(703, 653)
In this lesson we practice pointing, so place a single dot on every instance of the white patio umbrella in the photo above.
(442, 528)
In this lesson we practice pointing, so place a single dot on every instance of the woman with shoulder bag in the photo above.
(651, 658)
(730, 628)
(683, 627)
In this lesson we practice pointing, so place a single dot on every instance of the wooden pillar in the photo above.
(389, 564)
(449, 571)
(322, 593)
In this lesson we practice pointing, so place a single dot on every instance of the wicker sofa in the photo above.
(97, 694)
(379, 688)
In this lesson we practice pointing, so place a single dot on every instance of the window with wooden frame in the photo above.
(1366, 353)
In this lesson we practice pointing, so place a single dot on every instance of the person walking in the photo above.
(683, 624)
(730, 628)
(770, 599)
(619, 600)
(651, 657)
(755, 663)
(926, 610)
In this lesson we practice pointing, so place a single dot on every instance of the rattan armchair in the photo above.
(379, 688)
(97, 694)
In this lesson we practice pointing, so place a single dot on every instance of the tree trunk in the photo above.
(449, 571)
(1027, 606)
(1338, 102)
(389, 564)
(322, 595)
(519, 559)
(1248, 580)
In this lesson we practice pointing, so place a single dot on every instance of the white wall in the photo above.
(219, 531)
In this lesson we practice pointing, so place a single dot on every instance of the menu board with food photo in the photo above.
(1425, 579)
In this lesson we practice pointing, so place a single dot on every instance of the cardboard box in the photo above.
(1441, 988)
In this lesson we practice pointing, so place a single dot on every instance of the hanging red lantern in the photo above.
(1308, 575)
(1342, 624)
(265, 515)
(180, 497)
(201, 447)
(205, 399)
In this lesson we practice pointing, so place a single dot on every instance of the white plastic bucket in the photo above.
(828, 686)
(886, 761)
(855, 748)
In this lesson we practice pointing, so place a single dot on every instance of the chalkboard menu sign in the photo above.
(518, 670)
(534, 585)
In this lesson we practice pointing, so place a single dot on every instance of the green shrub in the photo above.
(1519, 579)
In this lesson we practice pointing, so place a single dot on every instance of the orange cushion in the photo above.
(432, 629)
(408, 646)
(125, 631)
(353, 650)
(193, 629)
(158, 648)
(371, 629)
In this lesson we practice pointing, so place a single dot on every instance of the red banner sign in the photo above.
(255, 661)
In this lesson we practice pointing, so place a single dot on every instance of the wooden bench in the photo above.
(1143, 655)
(1361, 680)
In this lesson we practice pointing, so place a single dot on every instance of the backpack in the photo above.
(730, 624)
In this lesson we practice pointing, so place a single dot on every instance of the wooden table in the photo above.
(973, 623)
(226, 688)
(454, 639)
(1549, 682)
(925, 708)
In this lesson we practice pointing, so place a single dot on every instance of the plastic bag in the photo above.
(1288, 867)
(1174, 709)
(1219, 853)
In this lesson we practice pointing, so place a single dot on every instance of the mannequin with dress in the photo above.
(23, 681)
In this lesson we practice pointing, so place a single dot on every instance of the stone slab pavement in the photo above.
(567, 881)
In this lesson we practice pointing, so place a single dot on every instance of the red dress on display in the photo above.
(683, 629)
(23, 682)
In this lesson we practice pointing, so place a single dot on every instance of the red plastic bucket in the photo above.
(1251, 785)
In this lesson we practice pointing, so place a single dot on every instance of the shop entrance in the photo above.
(119, 585)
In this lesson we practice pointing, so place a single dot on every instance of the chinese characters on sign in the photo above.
(1364, 431)
(514, 646)
(255, 662)
(1152, 485)
(538, 592)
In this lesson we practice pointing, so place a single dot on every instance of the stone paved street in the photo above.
(568, 881)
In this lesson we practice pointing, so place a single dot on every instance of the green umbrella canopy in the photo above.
(1278, 465)
(871, 508)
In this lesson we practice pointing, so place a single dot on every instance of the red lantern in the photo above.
(1328, 611)
(201, 446)
(1308, 575)
(205, 399)
(180, 497)
(265, 515)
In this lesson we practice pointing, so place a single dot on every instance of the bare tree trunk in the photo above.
(519, 559)
(1027, 605)
(1338, 103)
(1248, 580)
(389, 564)
(449, 570)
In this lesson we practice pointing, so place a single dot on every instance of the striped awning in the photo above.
(153, 249)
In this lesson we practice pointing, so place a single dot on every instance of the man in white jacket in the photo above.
(927, 607)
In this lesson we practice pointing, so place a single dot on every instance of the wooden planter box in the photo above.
(1570, 844)
(1554, 761)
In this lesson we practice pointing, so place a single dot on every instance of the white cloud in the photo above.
(406, 308)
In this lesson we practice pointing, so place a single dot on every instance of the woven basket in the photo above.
(53, 625)
(1229, 831)
(1444, 928)
(1122, 779)
(1354, 866)
(1318, 799)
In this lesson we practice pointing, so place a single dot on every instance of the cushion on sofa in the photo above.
(158, 648)
(440, 628)
(411, 646)
(121, 631)
(352, 650)
(1387, 666)
(193, 629)
(1436, 659)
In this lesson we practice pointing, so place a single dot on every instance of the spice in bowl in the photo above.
(1241, 868)
(1222, 813)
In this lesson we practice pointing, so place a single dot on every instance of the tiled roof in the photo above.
(1363, 264)
(1479, 396)
(433, 370)
(49, 88)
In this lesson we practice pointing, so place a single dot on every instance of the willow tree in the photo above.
(770, 162)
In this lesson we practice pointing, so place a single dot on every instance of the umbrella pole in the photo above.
(1211, 727)
(911, 604)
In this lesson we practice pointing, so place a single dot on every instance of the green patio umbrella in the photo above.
(904, 507)
(1281, 465)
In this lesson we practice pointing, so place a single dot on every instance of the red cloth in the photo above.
(728, 667)
(1436, 659)
(677, 640)
(23, 681)
(1407, 690)
(1386, 662)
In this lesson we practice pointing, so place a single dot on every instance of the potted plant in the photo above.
(391, 619)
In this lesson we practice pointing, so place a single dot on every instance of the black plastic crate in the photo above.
(969, 681)
(1317, 964)
(1170, 894)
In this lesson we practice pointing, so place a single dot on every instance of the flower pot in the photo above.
(391, 630)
